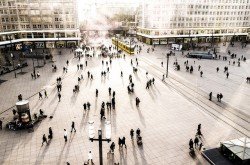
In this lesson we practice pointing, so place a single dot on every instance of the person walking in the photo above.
(85, 106)
(199, 67)
(88, 105)
(90, 157)
(40, 95)
(96, 93)
(191, 144)
(73, 126)
(112, 147)
(50, 133)
(210, 96)
(121, 74)
(201, 73)
(44, 139)
(113, 93)
(124, 142)
(163, 77)
(132, 133)
(59, 97)
(45, 94)
(65, 135)
(221, 96)
(102, 112)
(217, 69)
(196, 142)
(67, 62)
(200, 146)
(109, 91)
(1, 124)
(137, 101)
(227, 74)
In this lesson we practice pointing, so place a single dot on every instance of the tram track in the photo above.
(222, 111)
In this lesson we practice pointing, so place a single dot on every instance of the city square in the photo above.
(90, 80)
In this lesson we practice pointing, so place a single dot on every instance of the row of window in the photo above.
(188, 19)
(181, 25)
(35, 19)
(15, 27)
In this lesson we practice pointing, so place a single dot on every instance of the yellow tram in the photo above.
(123, 46)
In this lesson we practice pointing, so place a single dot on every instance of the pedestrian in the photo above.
(146, 73)
(40, 95)
(88, 105)
(102, 112)
(121, 74)
(85, 106)
(124, 142)
(137, 101)
(163, 77)
(196, 142)
(59, 97)
(88, 74)
(65, 135)
(199, 126)
(96, 93)
(218, 97)
(199, 67)
(153, 80)
(50, 133)
(45, 94)
(191, 144)
(210, 96)
(112, 147)
(1, 124)
(67, 62)
(132, 133)
(113, 93)
(113, 103)
(32, 76)
(199, 133)
(227, 74)
(90, 157)
(73, 126)
(201, 73)
(200, 146)
(221, 96)
(217, 69)
(86, 63)
(109, 91)
(162, 64)
(91, 77)
(119, 142)
(77, 66)
(44, 139)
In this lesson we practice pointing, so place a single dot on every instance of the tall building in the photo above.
(38, 23)
(164, 21)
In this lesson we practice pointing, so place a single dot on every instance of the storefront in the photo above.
(71, 44)
(50, 44)
(60, 44)
(39, 45)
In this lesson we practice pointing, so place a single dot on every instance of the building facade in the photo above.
(164, 21)
(38, 23)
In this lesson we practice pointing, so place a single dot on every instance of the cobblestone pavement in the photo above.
(166, 118)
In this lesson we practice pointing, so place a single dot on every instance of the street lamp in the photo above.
(12, 57)
(168, 54)
(100, 139)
